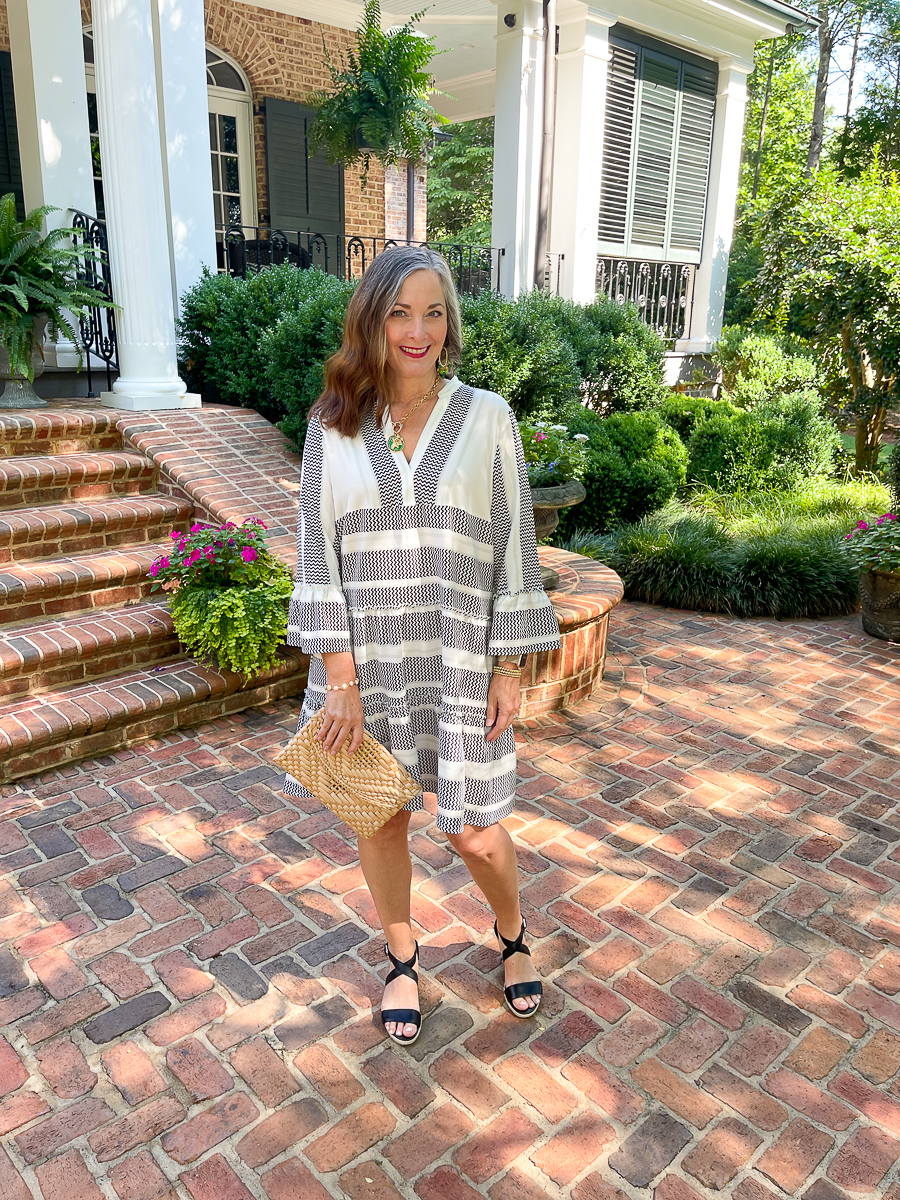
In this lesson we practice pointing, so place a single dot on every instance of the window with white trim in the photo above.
(656, 150)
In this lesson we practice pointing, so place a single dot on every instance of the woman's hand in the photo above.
(502, 705)
(343, 721)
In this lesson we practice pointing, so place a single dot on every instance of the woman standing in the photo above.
(418, 592)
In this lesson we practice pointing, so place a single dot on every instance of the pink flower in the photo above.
(193, 556)
(861, 525)
(154, 570)
(164, 562)
(175, 534)
(210, 554)
(540, 437)
(248, 554)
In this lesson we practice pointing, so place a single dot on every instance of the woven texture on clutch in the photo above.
(365, 788)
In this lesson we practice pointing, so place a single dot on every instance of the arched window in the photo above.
(230, 136)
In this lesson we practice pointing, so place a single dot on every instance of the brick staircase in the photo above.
(88, 661)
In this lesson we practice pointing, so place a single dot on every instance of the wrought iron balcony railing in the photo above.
(98, 325)
(662, 292)
(246, 249)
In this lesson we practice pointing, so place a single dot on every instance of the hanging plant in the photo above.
(379, 102)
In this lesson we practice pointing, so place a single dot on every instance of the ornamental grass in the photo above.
(752, 554)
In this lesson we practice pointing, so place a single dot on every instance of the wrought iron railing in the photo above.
(97, 325)
(662, 292)
(246, 249)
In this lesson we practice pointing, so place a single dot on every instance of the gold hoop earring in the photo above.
(444, 360)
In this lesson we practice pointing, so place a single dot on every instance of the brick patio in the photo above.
(710, 856)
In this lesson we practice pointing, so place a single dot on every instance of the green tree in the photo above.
(460, 182)
(875, 124)
(776, 135)
(831, 260)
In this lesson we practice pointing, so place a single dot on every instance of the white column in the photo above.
(583, 63)
(134, 197)
(52, 118)
(181, 65)
(724, 177)
(517, 140)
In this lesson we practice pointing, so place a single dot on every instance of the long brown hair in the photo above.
(356, 380)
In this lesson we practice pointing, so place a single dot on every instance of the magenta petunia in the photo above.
(154, 570)
(248, 554)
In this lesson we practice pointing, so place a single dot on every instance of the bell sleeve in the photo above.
(318, 621)
(523, 619)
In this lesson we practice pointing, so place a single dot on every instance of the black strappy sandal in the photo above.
(402, 1016)
(516, 991)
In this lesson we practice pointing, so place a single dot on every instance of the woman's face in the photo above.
(416, 327)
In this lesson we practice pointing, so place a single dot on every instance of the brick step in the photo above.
(78, 583)
(61, 431)
(72, 650)
(84, 476)
(65, 529)
(87, 720)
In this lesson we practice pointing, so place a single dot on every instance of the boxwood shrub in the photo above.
(635, 464)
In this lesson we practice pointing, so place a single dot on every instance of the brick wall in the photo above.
(281, 56)
(395, 202)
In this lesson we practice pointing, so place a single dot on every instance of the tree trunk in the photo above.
(817, 132)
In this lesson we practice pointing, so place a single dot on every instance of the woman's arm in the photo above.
(343, 722)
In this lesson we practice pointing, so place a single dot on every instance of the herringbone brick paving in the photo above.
(710, 856)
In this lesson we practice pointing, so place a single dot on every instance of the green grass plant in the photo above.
(750, 554)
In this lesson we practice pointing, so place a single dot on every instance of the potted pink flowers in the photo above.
(876, 547)
(229, 596)
(555, 462)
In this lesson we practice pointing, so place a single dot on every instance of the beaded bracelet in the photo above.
(341, 687)
(508, 672)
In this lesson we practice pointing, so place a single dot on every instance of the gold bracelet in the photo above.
(507, 672)
(341, 687)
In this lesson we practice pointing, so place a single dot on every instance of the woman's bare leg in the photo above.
(386, 865)
(491, 858)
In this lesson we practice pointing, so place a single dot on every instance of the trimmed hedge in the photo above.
(635, 464)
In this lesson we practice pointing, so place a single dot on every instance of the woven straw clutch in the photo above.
(365, 788)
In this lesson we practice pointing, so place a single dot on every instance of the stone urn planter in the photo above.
(547, 502)
(18, 392)
(879, 594)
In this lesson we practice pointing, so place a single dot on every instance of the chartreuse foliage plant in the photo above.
(229, 596)
(39, 276)
(750, 554)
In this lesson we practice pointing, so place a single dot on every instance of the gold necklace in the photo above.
(395, 441)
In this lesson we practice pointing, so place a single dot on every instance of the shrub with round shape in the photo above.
(635, 464)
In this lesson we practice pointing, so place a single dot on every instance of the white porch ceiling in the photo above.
(464, 32)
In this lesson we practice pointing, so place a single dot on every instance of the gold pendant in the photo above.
(395, 441)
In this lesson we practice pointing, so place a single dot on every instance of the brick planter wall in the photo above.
(588, 591)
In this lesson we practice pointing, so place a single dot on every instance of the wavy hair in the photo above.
(356, 377)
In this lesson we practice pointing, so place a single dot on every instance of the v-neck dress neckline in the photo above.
(407, 470)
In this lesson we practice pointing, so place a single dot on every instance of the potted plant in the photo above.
(39, 283)
(229, 596)
(555, 461)
(876, 547)
(379, 102)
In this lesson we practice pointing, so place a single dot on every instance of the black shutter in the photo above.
(10, 166)
(617, 140)
(305, 192)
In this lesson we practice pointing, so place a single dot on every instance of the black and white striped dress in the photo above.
(425, 571)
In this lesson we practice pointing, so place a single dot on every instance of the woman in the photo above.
(418, 591)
